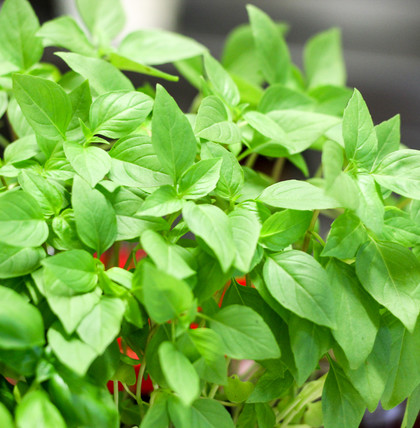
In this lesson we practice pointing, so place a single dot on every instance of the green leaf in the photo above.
(391, 274)
(18, 261)
(323, 58)
(341, 403)
(103, 77)
(245, 228)
(346, 235)
(72, 352)
(21, 149)
(117, 114)
(332, 161)
(135, 164)
(76, 269)
(231, 174)
(37, 406)
(244, 333)
(161, 202)
(412, 409)
(211, 224)
(18, 28)
(221, 82)
(164, 296)
(21, 324)
(172, 136)
(157, 415)
(45, 105)
(399, 227)
(179, 373)
(208, 344)
(96, 222)
(105, 19)
(297, 195)
(357, 314)
(236, 390)
(17, 120)
(91, 163)
(404, 373)
(65, 32)
(280, 97)
(5, 417)
(101, 325)
(331, 100)
(299, 283)
(21, 220)
(272, 51)
(284, 228)
(206, 413)
(400, 172)
(360, 141)
(200, 179)
(81, 100)
(167, 257)
(212, 122)
(154, 47)
(126, 64)
(270, 386)
(388, 134)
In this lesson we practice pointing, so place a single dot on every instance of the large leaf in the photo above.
(210, 414)
(21, 324)
(297, 195)
(211, 224)
(172, 136)
(45, 105)
(21, 220)
(96, 222)
(244, 333)
(18, 261)
(18, 26)
(154, 47)
(101, 325)
(179, 373)
(391, 274)
(400, 172)
(300, 284)
(323, 57)
(117, 114)
(91, 163)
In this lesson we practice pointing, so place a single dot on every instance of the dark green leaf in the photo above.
(208, 413)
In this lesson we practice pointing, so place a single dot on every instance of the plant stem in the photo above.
(308, 234)
(403, 203)
(319, 239)
(278, 169)
(213, 391)
(116, 396)
(3, 180)
(127, 390)
(250, 162)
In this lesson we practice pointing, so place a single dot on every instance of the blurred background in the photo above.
(381, 41)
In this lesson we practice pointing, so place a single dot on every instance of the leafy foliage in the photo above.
(125, 220)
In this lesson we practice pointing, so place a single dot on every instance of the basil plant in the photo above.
(151, 276)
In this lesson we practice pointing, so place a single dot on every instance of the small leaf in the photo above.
(161, 202)
(389, 135)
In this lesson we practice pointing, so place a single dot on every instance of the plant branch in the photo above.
(278, 169)
(308, 234)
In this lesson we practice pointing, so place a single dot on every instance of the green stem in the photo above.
(319, 239)
(278, 169)
(213, 391)
(250, 162)
(116, 396)
(403, 203)
(127, 390)
(244, 154)
(308, 234)
(3, 180)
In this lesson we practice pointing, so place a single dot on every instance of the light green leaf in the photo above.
(245, 228)
(200, 179)
(172, 136)
(179, 373)
(270, 386)
(280, 97)
(5, 417)
(71, 351)
(103, 77)
(161, 202)
(21, 324)
(91, 163)
(46, 194)
(96, 222)
(399, 227)
(17, 120)
(272, 51)
(101, 325)
(346, 235)
(388, 134)
(18, 28)
(21, 149)
(297, 195)
(412, 409)
(208, 344)
(284, 228)
(18, 261)
(299, 283)
(81, 100)
(21, 220)
(221, 82)
(341, 403)
(331, 100)
(157, 415)
(391, 274)
(357, 314)
(105, 19)
(117, 114)
(400, 172)
(65, 32)
(360, 141)
(76, 269)
(36, 406)
(323, 58)
(231, 174)
(167, 257)
(164, 296)
(154, 47)
(211, 224)
(332, 161)
(45, 105)
(208, 413)
(244, 333)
